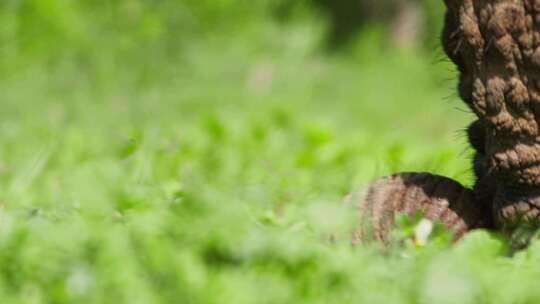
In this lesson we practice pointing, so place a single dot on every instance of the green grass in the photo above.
(224, 183)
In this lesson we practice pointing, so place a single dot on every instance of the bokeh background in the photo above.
(199, 151)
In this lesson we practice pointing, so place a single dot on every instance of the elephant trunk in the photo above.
(496, 47)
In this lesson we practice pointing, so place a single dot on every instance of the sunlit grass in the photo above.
(224, 183)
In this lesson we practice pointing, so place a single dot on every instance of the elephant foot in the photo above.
(439, 198)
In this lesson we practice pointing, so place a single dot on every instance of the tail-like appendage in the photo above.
(439, 198)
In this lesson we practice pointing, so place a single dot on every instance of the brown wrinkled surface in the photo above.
(439, 198)
(496, 46)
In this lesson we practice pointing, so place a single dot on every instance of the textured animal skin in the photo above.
(495, 45)
(439, 197)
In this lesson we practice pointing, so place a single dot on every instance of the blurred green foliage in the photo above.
(200, 152)
(98, 34)
(119, 32)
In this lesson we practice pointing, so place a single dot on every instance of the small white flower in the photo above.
(422, 232)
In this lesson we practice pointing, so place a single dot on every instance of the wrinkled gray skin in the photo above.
(495, 45)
